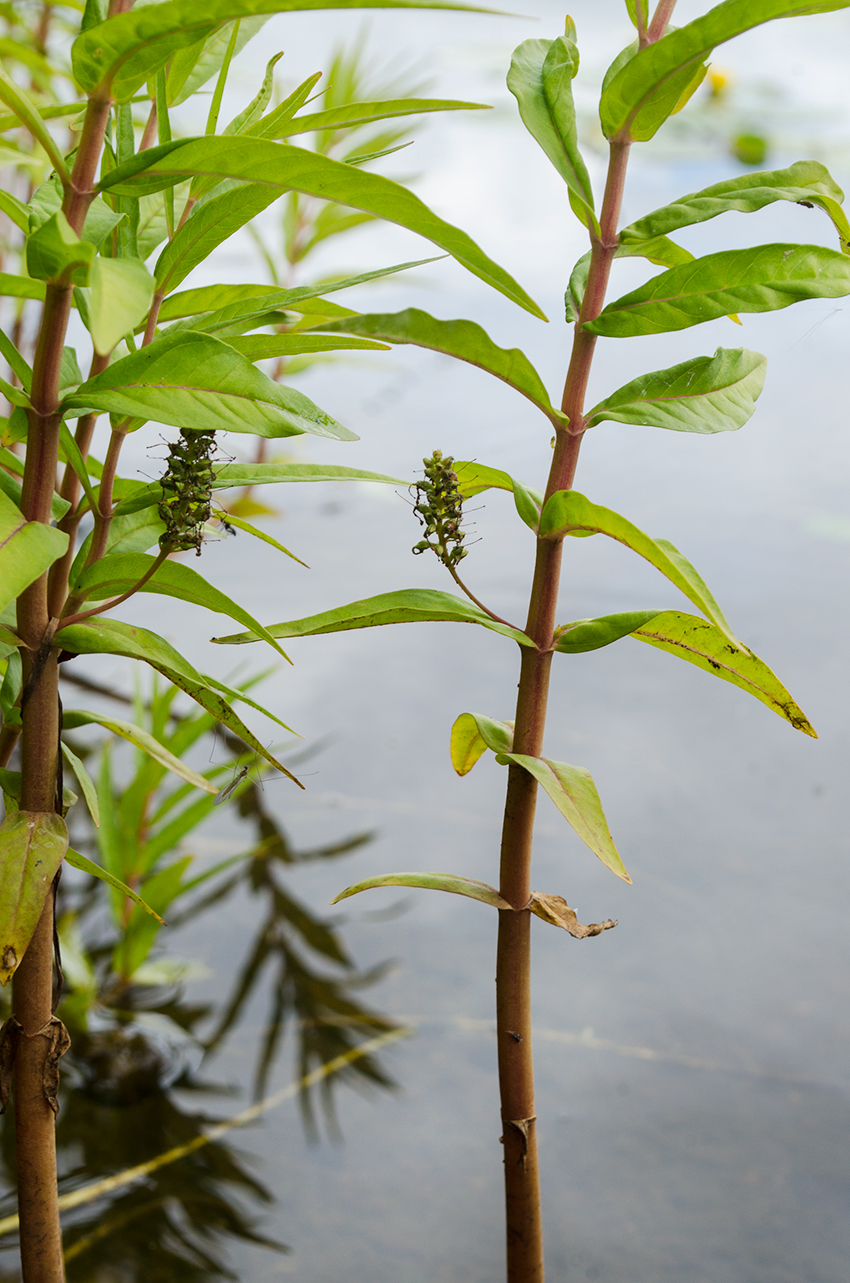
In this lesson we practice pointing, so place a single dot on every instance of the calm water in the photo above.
(692, 1064)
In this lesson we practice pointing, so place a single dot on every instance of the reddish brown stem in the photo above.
(41, 1242)
(116, 601)
(660, 19)
(150, 130)
(513, 959)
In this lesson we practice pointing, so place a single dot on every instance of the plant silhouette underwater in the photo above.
(646, 84)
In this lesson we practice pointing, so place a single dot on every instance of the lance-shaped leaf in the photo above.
(124, 52)
(649, 74)
(408, 606)
(32, 844)
(231, 519)
(110, 637)
(452, 882)
(700, 643)
(55, 253)
(226, 304)
(28, 114)
(113, 576)
(474, 478)
(351, 114)
(660, 250)
(209, 224)
(259, 474)
(574, 793)
(15, 209)
(192, 66)
(21, 287)
(86, 865)
(763, 278)
(567, 512)
(706, 394)
(119, 296)
(591, 634)
(287, 168)
(85, 782)
(806, 182)
(137, 735)
(462, 339)
(261, 347)
(540, 78)
(197, 381)
(27, 549)
(472, 734)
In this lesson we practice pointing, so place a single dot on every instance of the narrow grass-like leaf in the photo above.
(111, 637)
(700, 643)
(287, 168)
(261, 347)
(351, 114)
(112, 576)
(142, 739)
(472, 734)
(196, 381)
(648, 74)
(208, 226)
(462, 339)
(86, 865)
(231, 475)
(408, 606)
(574, 793)
(567, 512)
(28, 114)
(27, 549)
(32, 844)
(232, 520)
(762, 278)
(85, 782)
(706, 394)
(430, 882)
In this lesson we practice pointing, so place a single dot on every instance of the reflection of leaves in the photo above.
(329, 1020)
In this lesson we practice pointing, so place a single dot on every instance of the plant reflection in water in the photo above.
(132, 1072)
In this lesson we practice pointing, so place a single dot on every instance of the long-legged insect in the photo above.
(223, 794)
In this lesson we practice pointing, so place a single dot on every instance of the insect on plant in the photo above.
(647, 83)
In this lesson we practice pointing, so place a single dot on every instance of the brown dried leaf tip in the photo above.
(555, 910)
(60, 1040)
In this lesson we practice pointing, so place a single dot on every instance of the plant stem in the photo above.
(32, 989)
(660, 19)
(513, 970)
(116, 601)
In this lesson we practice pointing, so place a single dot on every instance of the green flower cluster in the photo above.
(439, 507)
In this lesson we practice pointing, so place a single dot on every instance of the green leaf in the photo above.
(706, 394)
(21, 287)
(121, 54)
(574, 793)
(27, 549)
(21, 367)
(432, 882)
(207, 227)
(85, 781)
(56, 254)
(193, 66)
(289, 168)
(231, 475)
(408, 606)
(73, 456)
(700, 643)
(351, 114)
(590, 634)
(653, 71)
(462, 339)
(115, 575)
(142, 739)
(15, 210)
(260, 347)
(32, 844)
(472, 735)
(119, 298)
(242, 123)
(12, 488)
(110, 637)
(235, 694)
(660, 250)
(567, 512)
(27, 113)
(232, 520)
(762, 278)
(807, 181)
(474, 478)
(540, 78)
(196, 381)
(85, 865)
